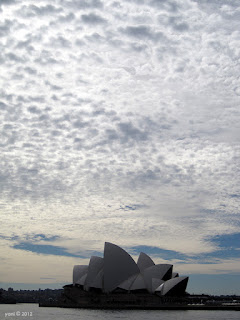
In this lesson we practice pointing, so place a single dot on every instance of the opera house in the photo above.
(117, 278)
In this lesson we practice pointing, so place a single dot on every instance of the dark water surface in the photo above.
(32, 311)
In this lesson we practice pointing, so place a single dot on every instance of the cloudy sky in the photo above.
(119, 122)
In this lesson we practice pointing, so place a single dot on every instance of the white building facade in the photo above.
(118, 271)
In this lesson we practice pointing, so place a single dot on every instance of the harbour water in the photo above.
(33, 311)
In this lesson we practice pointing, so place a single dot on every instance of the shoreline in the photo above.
(142, 307)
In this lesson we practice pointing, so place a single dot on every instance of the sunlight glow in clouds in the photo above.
(119, 122)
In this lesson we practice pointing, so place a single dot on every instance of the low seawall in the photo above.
(142, 307)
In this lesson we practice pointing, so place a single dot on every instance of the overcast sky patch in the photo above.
(120, 114)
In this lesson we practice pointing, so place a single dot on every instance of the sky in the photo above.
(119, 122)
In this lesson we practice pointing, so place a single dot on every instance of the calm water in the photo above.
(32, 311)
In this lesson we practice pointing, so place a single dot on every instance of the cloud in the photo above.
(92, 19)
(142, 32)
(33, 10)
(67, 18)
(158, 252)
(165, 4)
(5, 28)
(129, 131)
(85, 4)
(3, 106)
(43, 249)
(178, 25)
(7, 2)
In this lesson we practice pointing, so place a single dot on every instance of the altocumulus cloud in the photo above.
(120, 114)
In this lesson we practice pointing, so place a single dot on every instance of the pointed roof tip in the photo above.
(95, 265)
(107, 244)
(143, 254)
(115, 258)
(174, 286)
(175, 275)
(144, 261)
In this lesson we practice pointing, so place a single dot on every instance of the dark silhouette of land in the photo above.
(30, 296)
(66, 298)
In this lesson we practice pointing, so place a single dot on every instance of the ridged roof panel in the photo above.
(126, 284)
(144, 261)
(138, 283)
(98, 281)
(159, 271)
(118, 266)
(155, 284)
(175, 286)
(95, 265)
(82, 280)
(78, 272)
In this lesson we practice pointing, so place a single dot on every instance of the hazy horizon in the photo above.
(198, 284)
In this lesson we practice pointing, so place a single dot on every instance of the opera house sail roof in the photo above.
(118, 271)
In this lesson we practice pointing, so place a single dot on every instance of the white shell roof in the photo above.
(78, 272)
(175, 274)
(95, 265)
(155, 284)
(170, 284)
(144, 261)
(118, 270)
(118, 266)
(126, 285)
(98, 281)
(160, 288)
(158, 271)
(138, 283)
(82, 280)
